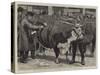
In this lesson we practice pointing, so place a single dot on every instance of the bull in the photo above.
(55, 36)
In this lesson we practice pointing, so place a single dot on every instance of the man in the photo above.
(76, 33)
(26, 25)
(22, 38)
(39, 20)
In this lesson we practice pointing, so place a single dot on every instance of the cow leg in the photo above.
(43, 51)
(82, 49)
(70, 49)
(74, 48)
(57, 52)
(67, 59)
(93, 47)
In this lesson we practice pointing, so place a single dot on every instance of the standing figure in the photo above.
(22, 38)
(77, 34)
(26, 24)
(39, 20)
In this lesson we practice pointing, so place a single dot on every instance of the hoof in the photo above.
(92, 55)
(33, 57)
(83, 63)
(72, 62)
(57, 62)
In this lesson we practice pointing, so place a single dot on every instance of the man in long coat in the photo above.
(24, 25)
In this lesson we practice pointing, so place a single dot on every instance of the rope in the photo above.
(67, 23)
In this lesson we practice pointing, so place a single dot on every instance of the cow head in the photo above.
(63, 47)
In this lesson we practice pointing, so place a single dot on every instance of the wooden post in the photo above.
(83, 12)
(50, 10)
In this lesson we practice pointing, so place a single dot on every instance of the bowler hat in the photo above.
(20, 9)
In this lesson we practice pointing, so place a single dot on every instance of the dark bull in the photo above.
(55, 36)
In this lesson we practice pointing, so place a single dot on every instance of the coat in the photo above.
(23, 43)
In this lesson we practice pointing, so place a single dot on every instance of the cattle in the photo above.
(56, 36)
(53, 36)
